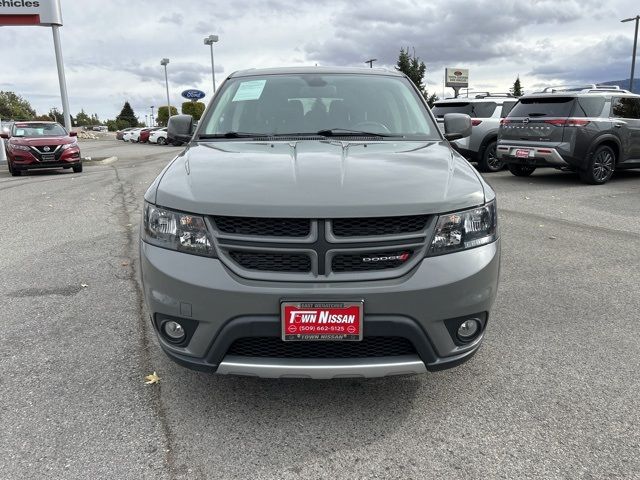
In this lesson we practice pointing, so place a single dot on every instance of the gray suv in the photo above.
(590, 130)
(319, 225)
(485, 109)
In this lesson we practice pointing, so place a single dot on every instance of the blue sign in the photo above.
(193, 94)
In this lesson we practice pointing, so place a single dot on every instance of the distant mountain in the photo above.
(624, 84)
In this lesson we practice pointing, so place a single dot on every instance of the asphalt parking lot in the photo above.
(551, 394)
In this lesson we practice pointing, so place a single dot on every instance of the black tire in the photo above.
(521, 170)
(13, 171)
(600, 168)
(162, 141)
(77, 168)
(489, 161)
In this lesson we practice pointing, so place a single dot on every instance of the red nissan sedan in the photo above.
(41, 145)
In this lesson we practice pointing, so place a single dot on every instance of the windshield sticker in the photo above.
(249, 90)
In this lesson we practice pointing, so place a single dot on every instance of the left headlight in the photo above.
(66, 146)
(465, 229)
(176, 231)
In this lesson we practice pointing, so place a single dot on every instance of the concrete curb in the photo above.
(99, 160)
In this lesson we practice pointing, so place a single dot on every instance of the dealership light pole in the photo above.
(210, 40)
(370, 62)
(164, 62)
(635, 44)
(153, 119)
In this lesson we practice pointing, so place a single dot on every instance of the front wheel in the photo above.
(521, 170)
(162, 141)
(600, 168)
(489, 162)
(77, 168)
(13, 171)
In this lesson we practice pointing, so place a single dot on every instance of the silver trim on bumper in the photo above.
(552, 157)
(321, 368)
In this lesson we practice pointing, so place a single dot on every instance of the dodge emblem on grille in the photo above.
(403, 257)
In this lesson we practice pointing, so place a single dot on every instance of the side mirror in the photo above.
(180, 128)
(456, 126)
(73, 134)
(4, 135)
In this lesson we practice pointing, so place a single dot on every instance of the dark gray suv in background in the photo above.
(318, 224)
(592, 130)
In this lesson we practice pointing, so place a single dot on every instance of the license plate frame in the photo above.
(317, 326)
(48, 157)
(523, 153)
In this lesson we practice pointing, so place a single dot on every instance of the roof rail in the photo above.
(569, 88)
(496, 94)
(600, 90)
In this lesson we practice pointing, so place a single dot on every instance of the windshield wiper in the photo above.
(536, 114)
(232, 135)
(345, 132)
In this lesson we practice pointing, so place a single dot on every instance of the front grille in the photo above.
(266, 227)
(364, 227)
(41, 148)
(355, 262)
(272, 262)
(274, 347)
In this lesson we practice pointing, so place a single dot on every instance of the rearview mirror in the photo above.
(456, 126)
(4, 135)
(73, 134)
(180, 129)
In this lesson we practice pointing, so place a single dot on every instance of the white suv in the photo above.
(485, 109)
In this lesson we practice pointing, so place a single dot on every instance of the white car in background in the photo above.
(159, 136)
(132, 135)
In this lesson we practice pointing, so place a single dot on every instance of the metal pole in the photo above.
(61, 77)
(153, 120)
(166, 81)
(213, 71)
(633, 59)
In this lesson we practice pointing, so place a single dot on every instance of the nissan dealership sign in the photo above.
(456, 77)
(30, 12)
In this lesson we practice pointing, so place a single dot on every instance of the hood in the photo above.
(41, 141)
(319, 179)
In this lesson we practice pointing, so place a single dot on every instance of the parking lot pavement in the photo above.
(551, 394)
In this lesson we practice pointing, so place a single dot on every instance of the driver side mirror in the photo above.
(180, 128)
(456, 126)
(73, 134)
(4, 135)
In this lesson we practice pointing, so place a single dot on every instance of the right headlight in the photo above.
(465, 229)
(179, 231)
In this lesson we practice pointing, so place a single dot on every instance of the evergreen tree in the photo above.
(82, 119)
(516, 90)
(415, 69)
(127, 115)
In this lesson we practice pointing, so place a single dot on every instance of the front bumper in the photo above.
(226, 307)
(23, 160)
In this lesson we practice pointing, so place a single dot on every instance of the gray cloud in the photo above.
(175, 18)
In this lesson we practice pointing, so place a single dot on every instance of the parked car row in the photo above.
(156, 135)
(592, 130)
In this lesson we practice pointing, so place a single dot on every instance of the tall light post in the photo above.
(210, 40)
(370, 62)
(164, 62)
(153, 119)
(635, 44)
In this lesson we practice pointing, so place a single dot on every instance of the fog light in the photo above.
(468, 329)
(174, 331)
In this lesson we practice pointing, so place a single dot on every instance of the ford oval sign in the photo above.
(193, 94)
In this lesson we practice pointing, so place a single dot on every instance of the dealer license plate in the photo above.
(523, 153)
(49, 157)
(318, 321)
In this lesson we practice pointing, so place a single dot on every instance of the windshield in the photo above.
(38, 130)
(475, 109)
(311, 104)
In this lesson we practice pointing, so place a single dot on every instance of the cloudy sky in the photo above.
(113, 48)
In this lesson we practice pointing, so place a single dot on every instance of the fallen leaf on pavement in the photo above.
(84, 285)
(151, 379)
